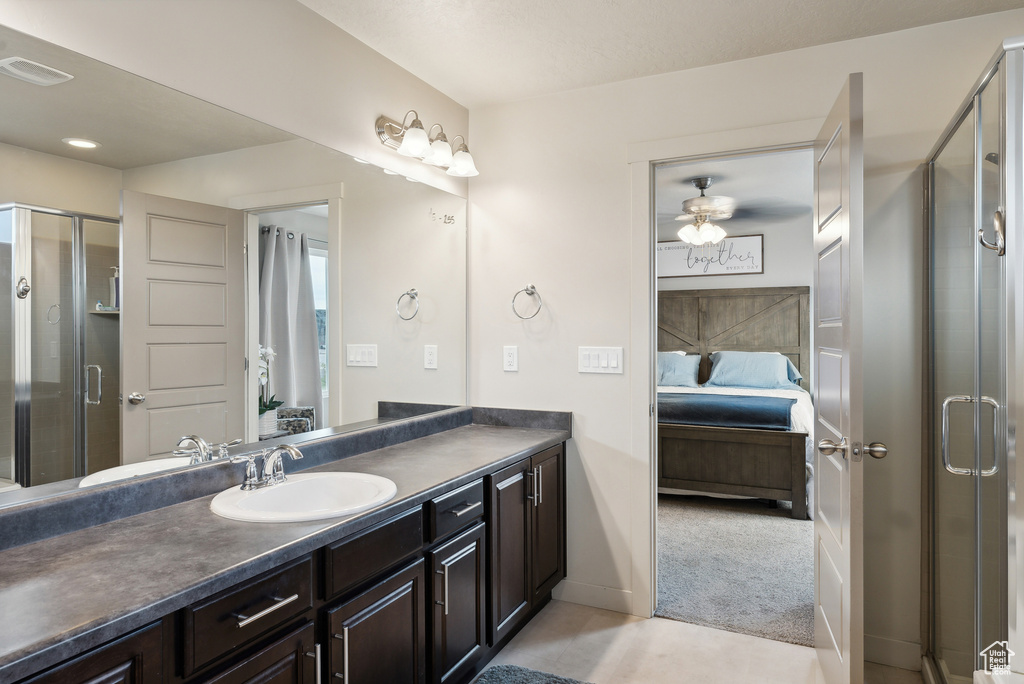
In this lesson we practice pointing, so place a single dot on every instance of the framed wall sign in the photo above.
(732, 256)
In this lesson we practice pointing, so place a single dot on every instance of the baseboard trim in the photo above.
(892, 652)
(619, 600)
(928, 673)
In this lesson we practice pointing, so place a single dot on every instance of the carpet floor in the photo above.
(737, 565)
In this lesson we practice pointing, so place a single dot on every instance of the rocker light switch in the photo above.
(600, 360)
(361, 355)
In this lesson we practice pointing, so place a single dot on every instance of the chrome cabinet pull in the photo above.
(827, 447)
(315, 654)
(531, 493)
(343, 675)
(999, 227)
(540, 485)
(99, 385)
(244, 621)
(946, 462)
(469, 507)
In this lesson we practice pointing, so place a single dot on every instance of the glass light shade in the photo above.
(688, 234)
(719, 235)
(415, 142)
(462, 165)
(440, 154)
(707, 233)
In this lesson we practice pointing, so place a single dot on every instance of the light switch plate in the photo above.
(510, 359)
(361, 355)
(430, 356)
(600, 360)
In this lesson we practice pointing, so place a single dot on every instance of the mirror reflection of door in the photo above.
(183, 305)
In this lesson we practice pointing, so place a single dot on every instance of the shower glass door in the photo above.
(953, 359)
(7, 464)
(968, 319)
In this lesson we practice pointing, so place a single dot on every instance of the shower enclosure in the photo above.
(59, 352)
(975, 384)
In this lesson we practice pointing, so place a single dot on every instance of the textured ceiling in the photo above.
(485, 51)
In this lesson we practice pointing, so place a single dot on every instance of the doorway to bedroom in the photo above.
(735, 270)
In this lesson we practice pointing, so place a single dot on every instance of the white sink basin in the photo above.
(305, 496)
(133, 470)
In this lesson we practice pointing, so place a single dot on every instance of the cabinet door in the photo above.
(291, 659)
(379, 636)
(457, 569)
(548, 524)
(509, 547)
(132, 659)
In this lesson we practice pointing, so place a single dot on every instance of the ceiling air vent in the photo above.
(33, 72)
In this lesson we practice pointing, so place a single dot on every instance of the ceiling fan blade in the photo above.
(769, 211)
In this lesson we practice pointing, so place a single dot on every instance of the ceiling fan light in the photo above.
(415, 142)
(688, 234)
(719, 235)
(707, 233)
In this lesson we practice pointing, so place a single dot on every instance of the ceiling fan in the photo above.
(701, 211)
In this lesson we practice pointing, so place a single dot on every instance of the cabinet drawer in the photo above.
(244, 612)
(356, 559)
(455, 510)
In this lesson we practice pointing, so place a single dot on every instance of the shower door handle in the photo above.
(99, 385)
(999, 226)
(947, 464)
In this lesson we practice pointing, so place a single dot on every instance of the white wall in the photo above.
(58, 183)
(565, 225)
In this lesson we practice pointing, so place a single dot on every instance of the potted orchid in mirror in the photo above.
(268, 402)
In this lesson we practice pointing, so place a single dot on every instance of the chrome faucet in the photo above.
(199, 453)
(273, 466)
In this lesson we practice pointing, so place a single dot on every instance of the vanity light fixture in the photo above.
(413, 141)
(81, 142)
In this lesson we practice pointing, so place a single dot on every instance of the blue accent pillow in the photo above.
(677, 370)
(758, 370)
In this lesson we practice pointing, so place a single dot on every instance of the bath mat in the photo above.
(513, 674)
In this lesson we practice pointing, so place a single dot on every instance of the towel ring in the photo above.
(414, 296)
(531, 291)
(50, 311)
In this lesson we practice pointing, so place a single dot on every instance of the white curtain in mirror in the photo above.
(288, 318)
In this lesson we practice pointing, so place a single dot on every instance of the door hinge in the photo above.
(246, 363)
(652, 409)
(245, 248)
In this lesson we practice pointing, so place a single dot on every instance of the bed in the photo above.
(697, 453)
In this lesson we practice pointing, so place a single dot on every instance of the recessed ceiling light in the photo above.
(391, 173)
(81, 142)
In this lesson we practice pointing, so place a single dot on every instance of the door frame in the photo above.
(332, 194)
(641, 158)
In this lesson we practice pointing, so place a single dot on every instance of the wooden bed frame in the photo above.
(759, 463)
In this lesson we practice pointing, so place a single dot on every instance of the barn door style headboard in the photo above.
(769, 319)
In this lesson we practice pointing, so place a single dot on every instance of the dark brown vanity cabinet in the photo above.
(527, 537)
(459, 573)
(135, 658)
(292, 659)
(380, 636)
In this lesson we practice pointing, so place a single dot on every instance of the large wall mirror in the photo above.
(179, 203)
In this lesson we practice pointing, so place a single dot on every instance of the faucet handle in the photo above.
(252, 477)
(222, 448)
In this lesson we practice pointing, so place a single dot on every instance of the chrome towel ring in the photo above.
(414, 296)
(530, 291)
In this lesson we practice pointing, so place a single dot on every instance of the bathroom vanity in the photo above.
(424, 588)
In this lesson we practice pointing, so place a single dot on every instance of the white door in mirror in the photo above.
(304, 497)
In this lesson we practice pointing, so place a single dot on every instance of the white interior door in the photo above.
(838, 468)
(183, 323)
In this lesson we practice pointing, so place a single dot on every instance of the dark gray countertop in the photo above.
(64, 595)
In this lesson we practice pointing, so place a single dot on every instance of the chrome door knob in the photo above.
(135, 398)
(827, 447)
(876, 450)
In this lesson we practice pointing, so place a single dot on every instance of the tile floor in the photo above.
(603, 647)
